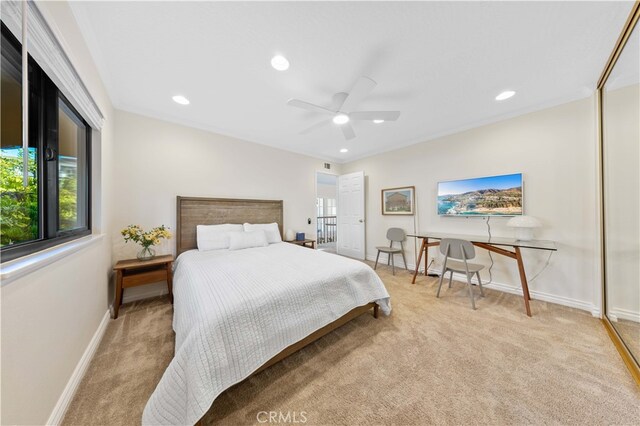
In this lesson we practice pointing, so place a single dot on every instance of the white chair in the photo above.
(393, 235)
(456, 254)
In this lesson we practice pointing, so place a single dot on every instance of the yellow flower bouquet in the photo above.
(146, 239)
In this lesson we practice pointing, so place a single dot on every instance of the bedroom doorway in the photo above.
(326, 211)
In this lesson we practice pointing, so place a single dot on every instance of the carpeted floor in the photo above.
(433, 361)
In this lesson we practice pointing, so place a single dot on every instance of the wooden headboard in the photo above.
(194, 211)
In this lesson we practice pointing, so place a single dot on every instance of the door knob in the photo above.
(360, 220)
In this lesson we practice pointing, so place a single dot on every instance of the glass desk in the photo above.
(508, 247)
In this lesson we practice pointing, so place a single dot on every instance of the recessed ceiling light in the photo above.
(280, 63)
(341, 119)
(179, 99)
(378, 121)
(505, 95)
(344, 150)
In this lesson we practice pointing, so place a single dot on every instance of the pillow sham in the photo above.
(248, 239)
(215, 237)
(271, 230)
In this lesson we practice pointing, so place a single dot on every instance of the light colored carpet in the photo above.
(433, 361)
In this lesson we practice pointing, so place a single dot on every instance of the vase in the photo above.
(147, 253)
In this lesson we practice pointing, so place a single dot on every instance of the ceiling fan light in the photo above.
(378, 121)
(341, 119)
(343, 150)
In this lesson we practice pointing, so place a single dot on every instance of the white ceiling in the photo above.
(626, 71)
(440, 63)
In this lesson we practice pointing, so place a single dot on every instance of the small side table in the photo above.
(134, 272)
(308, 243)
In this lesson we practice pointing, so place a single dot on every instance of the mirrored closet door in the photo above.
(620, 139)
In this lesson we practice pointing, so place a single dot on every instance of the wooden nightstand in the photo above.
(134, 272)
(309, 243)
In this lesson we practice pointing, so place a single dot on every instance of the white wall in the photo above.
(327, 191)
(155, 161)
(49, 316)
(622, 201)
(555, 149)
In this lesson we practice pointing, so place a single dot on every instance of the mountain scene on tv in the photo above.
(495, 196)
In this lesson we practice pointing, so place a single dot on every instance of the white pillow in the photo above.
(243, 240)
(271, 229)
(215, 237)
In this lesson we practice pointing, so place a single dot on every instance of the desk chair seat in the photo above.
(462, 251)
(393, 235)
(457, 266)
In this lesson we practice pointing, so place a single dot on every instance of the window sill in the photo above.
(14, 269)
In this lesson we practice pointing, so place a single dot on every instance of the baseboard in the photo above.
(538, 295)
(616, 314)
(60, 409)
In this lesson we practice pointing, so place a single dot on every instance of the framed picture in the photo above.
(398, 200)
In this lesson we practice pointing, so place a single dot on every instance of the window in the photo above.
(326, 207)
(72, 169)
(55, 205)
(331, 207)
(319, 207)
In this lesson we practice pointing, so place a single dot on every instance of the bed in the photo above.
(237, 312)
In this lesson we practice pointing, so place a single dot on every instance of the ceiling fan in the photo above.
(342, 109)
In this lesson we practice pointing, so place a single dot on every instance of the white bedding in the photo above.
(235, 310)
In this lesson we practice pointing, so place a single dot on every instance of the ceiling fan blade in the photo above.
(375, 115)
(315, 127)
(309, 107)
(338, 100)
(347, 131)
(362, 88)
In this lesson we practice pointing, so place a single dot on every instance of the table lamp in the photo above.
(524, 226)
(289, 235)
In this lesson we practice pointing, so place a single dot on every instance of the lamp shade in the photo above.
(524, 226)
(289, 235)
(524, 222)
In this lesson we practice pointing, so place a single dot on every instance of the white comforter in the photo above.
(235, 310)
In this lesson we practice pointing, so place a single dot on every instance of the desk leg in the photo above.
(523, 281)
(426, 256)
(423, 246)
(118, 296)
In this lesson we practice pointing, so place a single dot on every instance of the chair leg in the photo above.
(393, 264)
(388, 259)
(440, 285)
(404, 260)
(377, 257)
(480, 283)
(473, 302)
(450, 278)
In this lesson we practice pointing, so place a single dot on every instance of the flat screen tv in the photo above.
(484, 196)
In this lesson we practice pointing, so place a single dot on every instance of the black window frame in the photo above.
(44, 96)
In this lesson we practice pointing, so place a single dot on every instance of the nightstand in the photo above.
(134, 272)
(308, 243)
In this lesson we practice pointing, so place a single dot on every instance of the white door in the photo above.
(351, 215)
